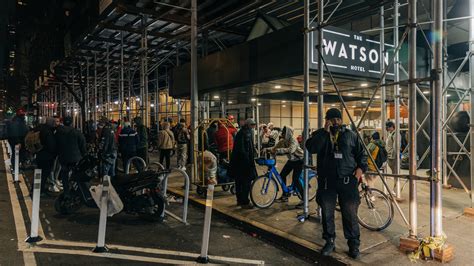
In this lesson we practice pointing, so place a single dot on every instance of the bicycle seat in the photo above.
(264, 161)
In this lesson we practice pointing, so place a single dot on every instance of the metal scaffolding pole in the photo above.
(320, 64)
(436, 226)
(143, 69)
(396, 100)
(471, 77)
(86, 94)
(194, 84)
(306, 101)
(122, 78)
(96, 104)
(383, 104)
(107, 104)
(413, 207)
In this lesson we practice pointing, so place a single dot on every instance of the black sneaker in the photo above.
(328, 248)
(246, 206)
(354, 252)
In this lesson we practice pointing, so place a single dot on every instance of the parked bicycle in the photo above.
(265, 188)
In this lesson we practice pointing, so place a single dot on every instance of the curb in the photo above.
(295, 244)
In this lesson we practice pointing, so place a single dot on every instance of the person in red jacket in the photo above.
(224, 139)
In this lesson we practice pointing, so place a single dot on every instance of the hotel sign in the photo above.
(350, 53)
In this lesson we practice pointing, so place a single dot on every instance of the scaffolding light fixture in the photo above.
(277, 86)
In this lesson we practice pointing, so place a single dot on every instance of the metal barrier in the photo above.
(203, 258)
(100, 248)
(127, 167)
(186, 194)
(34, 237)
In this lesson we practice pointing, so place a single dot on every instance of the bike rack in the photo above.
(186, 194)
(127, 168)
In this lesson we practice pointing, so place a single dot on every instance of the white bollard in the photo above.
(100, 248)
(203, 258)
(34, 237)
(17, 162)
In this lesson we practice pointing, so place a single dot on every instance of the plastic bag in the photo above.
(115, 204)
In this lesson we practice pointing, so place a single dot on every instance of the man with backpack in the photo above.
(182, 138)
(128, 142)
(379, 153)
(16, 132)
(71, 147)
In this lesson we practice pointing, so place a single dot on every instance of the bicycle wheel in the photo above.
(375, 210)
(263, 191)
(313, 188)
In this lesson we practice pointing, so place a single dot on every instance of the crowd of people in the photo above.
(341, 158)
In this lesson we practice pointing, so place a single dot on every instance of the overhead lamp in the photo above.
(259, 104)
(283, 101)
(333, 105)
(110, 109)
(75, 110)
(350, 94)
(137, 99)
(448, 95)
(364, 102)
(88, 112)
(128, 108)
(283, 106)
(426, 92)
(229, 102)
(353, 106)
(68, 111)
(243, 92)
(152, 105)
(277, 86)
(310, 103)
(253, 99)
(116, 102)
(377, 97)
(96, 106)
(364, 85)
(216, 97)
(324, 79)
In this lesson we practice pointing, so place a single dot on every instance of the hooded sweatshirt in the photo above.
(289, 146)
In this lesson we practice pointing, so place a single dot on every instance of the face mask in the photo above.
(334, 129)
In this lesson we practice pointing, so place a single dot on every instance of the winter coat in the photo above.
(371, 147)
(142, 136)
(165, 139)
(224, 138)
(290, 146)
(128, 140)
(16, 130)
(353, 153)
(242, 163)
(391, 151)
(182, 135)
(71, 145)
(107, 145)
(48, 152)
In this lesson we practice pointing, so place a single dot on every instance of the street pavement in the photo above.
(70, 239)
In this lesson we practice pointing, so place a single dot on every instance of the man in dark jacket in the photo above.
(71, 147)
(107, 148)
(142, 147)
(242, 164)
(45, 157)
(341, 162)
(16, 132)
(128, 142)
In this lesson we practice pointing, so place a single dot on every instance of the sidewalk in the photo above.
(280, 224)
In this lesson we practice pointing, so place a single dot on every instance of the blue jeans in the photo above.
(108, 166)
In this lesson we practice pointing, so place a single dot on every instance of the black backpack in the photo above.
(381, 157)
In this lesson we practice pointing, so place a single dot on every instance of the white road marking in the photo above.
(28, 258)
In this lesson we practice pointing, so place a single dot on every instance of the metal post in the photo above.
(257, 120)
(306, 55)
(17, 162)
(396, 101)
(413, 207)
(143, 69)
(203, 258)
(34, 237)
(86, 96)
(471, 77)
(100, 248)
(320, 64)
(436, 95)
(194, 82)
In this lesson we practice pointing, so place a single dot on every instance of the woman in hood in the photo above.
(289, 145)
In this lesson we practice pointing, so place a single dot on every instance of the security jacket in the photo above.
(348, 144)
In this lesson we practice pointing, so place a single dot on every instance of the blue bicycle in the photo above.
(264, 189)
